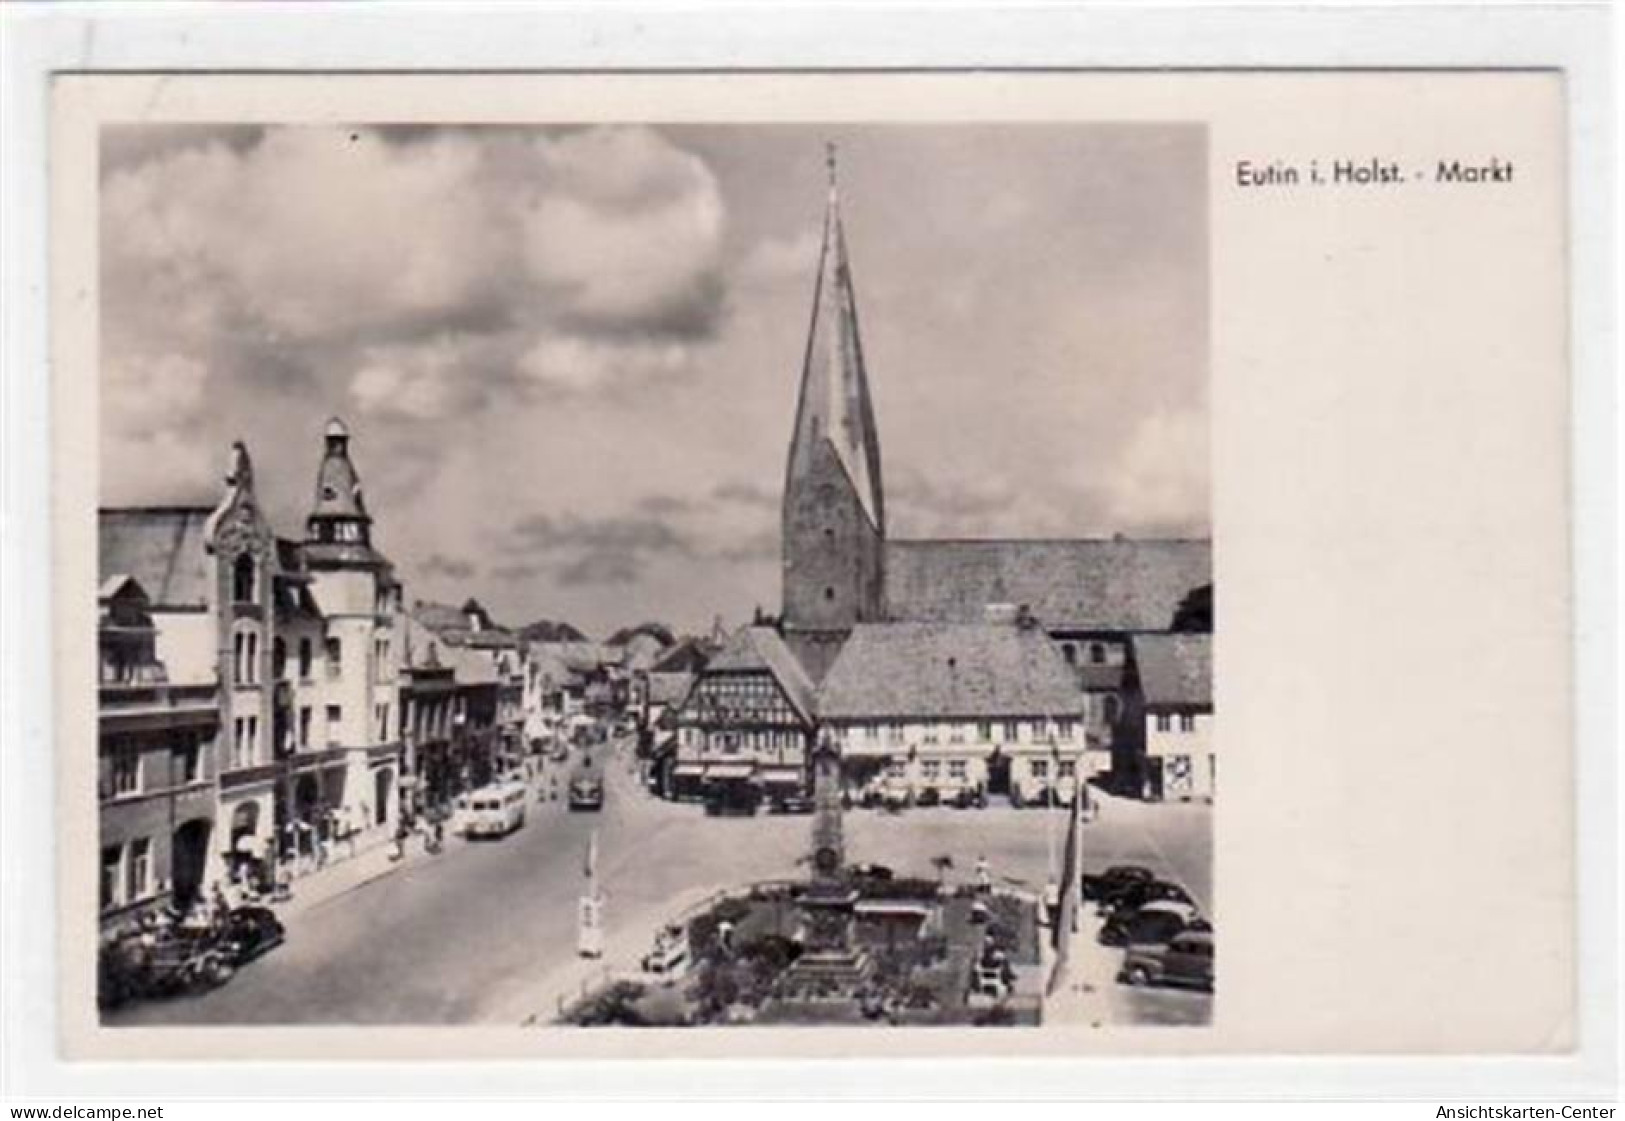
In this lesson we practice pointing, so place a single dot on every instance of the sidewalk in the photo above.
(347, 873)
(1085, 996)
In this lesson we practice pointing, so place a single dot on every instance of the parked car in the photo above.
(1186, 959)
(1153, 924)
(670, 955)
(586, 793)
(930, 796)
(968, 797)
(791, 804)
(1133, 896)
(1113, 878)
(733, 801)
(250, 932)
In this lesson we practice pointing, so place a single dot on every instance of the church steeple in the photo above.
(834, 518)
(835, 405)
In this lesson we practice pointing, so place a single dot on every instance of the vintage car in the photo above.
(670, 955)
(1153, 924)
(1186, 959)
(586, 793)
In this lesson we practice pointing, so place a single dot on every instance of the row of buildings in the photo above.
(943, 668)
(263, 699)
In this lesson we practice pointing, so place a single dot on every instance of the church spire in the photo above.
(835, 405)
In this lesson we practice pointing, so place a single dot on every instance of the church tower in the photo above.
(834, 518)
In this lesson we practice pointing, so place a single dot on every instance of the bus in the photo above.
(496, 811)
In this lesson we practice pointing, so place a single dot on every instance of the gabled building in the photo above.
(747, 723)
(1173, 755)
(943, 711)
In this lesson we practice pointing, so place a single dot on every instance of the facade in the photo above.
(747, 722)
(155, 766)
(928, 712)
(278, 657)
(1174, 758)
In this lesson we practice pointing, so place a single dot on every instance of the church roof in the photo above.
(162, 548)
(834, 406)
(754, 649)
(948, 670)
(1175, 669)
(1088, 584)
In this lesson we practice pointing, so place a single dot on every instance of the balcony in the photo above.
(144, 698)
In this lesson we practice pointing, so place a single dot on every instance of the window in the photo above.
(984, 731)
(335, 714)
(279, 658)
(112, 869)
(1065, 730)
(896, 768)
(242, 580)
(829, 593)
(335, 656)
(1187, 722)
(383, 723)
(140, 868)
(1112, 707)
(956, 733)
(239, 647)
(956, 769)
(1012, 731)
(188, 760)
(1040, 768)
(1163, 722)
(253, 740)
(1070, 653)
(126, 770)
(304, 659)
(894, 733)
(1066, 768)
(1097, 653)
(930, 734)
(931, 770)
(304, 727)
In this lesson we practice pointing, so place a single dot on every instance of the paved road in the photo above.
(451, 940)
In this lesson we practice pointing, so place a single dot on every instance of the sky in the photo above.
(569, 357)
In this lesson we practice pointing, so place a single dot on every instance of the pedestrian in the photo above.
(984, 874)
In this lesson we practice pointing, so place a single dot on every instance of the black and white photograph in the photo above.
(591, 575)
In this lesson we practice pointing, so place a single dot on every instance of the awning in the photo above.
(729, 770)
(688, 770)
(782, 776)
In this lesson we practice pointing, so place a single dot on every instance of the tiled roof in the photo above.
(1099, 584)
(689, 656)
(1175, 669)
(470, 667)
(162, 548)
(963, 670)
(669, 688)
(760, 648)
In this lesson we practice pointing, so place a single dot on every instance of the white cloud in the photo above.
(1161, 478)
(584, 364)
(144, 394)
